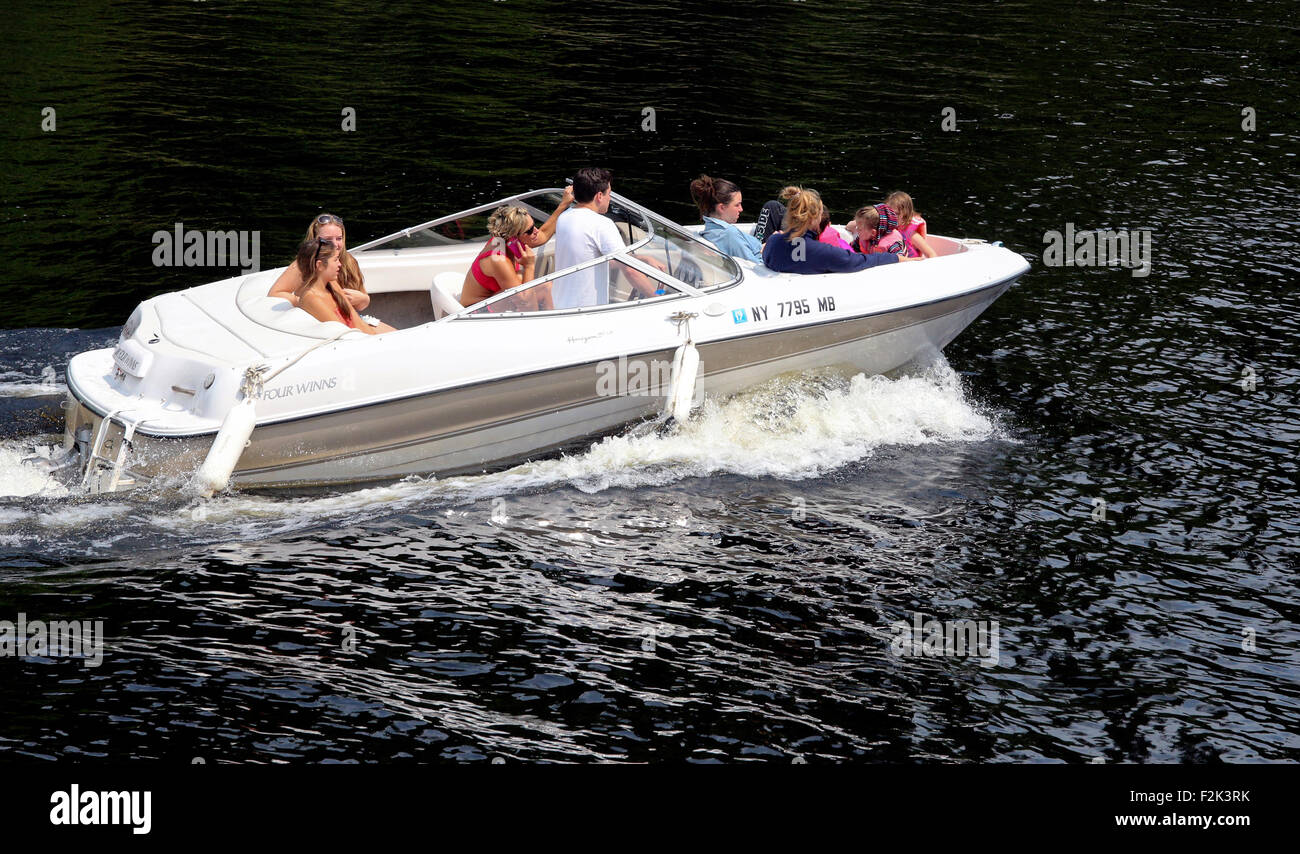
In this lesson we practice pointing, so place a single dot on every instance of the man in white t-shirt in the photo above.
(582, 233)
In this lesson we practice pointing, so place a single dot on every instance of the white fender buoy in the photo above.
(686, 368)
(214, 475)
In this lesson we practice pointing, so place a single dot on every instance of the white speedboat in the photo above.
(458, 390)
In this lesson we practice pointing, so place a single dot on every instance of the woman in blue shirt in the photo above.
(719, 203)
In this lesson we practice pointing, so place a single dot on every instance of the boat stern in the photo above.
(131, 408)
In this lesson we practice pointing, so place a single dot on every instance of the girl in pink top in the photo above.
(829, 234)
(911, 225)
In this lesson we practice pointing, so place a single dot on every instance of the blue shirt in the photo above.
(731, 240)
(818, 257)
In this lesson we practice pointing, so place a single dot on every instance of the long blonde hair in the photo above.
(350, 274)
(803, 211)
(507, 222)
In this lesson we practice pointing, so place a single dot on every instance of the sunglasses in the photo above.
(326, 219)
(321, 243)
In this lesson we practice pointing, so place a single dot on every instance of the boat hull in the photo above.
(491, 425)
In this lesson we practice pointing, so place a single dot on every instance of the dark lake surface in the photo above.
(1105, 464)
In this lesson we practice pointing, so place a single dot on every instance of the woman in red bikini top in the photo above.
(319, 294)
(507, 260)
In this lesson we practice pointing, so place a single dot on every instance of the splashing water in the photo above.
(21, 479)
(794, 427)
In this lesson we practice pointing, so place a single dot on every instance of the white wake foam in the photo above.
(21, 384)
(792, 428)
(19, 479)
(795, 427)
(32, 390)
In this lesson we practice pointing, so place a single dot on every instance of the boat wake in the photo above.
(794, 427)
(40, 388)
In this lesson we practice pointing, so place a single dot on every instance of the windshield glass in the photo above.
(466, 226)
(682, 255)
(616, 282)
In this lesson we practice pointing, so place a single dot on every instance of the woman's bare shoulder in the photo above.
(317, 302)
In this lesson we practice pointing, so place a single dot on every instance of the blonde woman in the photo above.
(796, 249)
(507, 260)
(773, 214)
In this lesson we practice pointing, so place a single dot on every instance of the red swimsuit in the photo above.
(343, 317)
(346, 319)
(489, 284)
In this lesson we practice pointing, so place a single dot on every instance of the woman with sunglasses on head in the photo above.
(507, 260)
(330, 227)
(320, 265)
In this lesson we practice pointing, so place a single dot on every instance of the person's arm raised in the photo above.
(547, 231)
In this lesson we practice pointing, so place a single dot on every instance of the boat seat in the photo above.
(445, 294)
(276, 312)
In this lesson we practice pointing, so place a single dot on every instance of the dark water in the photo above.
(726, 594)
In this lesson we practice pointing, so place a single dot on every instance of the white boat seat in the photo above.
(276, 312)
(445, 293)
